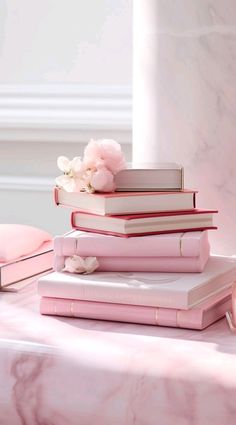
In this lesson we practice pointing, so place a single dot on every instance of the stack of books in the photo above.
(153, 255)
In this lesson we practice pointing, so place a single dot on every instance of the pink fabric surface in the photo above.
(189, 244)
(199, 317)
(146, 264)
(61, 371)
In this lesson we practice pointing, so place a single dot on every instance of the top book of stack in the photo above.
(164, 177)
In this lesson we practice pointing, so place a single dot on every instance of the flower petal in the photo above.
(91, 264)
(102, 181)
(74, 264)
(65, 182)
(63, 164)
(79, 184)
(76, 164)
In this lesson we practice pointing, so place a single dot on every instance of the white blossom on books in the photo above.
(102, 160)
(77, 264)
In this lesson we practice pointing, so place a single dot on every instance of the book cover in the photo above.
(169, 290)
(126, 202)
(88, 244)
(144, 224)
(198, 317)
(27, 266)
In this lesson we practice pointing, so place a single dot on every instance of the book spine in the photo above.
(184, 245)
(97, 245)
(144, 264)
(57, 245)
(58, 263)
(193, 246)
(64, 246)
(192, 319)
(108, 311)
(188, 318)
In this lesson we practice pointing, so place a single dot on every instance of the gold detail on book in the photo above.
(55, 309)
(156, 317)
(181, 244)
(177, 318)
(72, 308)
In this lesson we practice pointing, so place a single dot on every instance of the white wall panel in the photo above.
(65, 41)
(65, 77)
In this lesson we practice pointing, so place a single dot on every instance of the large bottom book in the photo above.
(31, 265)
(168, 290)
(199, 317)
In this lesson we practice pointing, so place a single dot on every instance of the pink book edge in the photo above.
(196, 318)
(39, 261)
(85, 229)
(126, 194)
(195, 211)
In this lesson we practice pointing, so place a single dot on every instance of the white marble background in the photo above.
(192, 66)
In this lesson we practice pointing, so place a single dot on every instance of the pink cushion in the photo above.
(17, 240)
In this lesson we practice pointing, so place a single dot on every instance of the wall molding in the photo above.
(26, 183)
(60, 113)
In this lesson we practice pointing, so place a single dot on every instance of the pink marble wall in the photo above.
(185, 99)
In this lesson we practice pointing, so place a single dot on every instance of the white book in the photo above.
(164, 177)
(169, 290)
(126, 202)
(144, 224)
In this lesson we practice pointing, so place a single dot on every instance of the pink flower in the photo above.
(102, 160)
(104, 153)
(102, 180)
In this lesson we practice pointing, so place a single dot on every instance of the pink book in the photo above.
(126, 202)
(144, 224)
(168, 290)
(180, 252)
(198, 317)
(28, 266)
(188, 244)
(145, 264)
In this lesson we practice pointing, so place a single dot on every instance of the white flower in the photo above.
(72, 179)
(77, 264)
